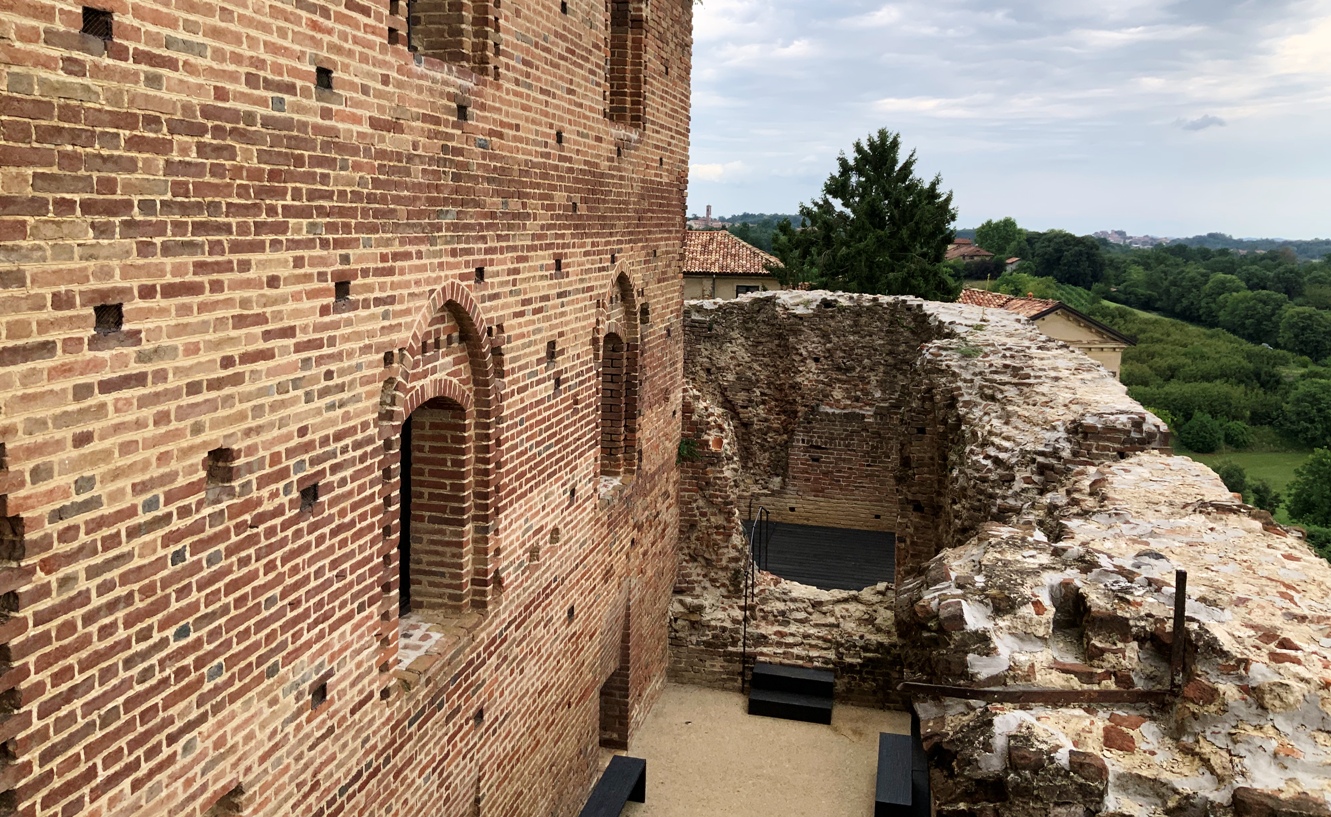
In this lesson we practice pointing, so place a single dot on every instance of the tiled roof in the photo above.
(1029, 307)
(717, 252)
(1035, 308)
(964, 250)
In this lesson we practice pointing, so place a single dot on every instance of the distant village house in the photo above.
(966, 251)
(719, 265)
(1060, 322)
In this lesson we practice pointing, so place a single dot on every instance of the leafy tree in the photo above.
(1164, 417)
(1184, 400)
(758, 229)
(1253, 316)
(1238, 435)
(1261, 495)
(1233, 475)
(1307, 415)
(1067, 258)
(1306, 331)
(1310, 492)
(1022, 285)
(1317, 287)
(1203, 434)
(1003, 238)
(1215, 289)
(877, 228)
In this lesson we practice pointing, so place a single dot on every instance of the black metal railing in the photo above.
(759, 530)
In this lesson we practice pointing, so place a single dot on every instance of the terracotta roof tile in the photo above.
(717, 252)
(964, 250)
(1029, 307)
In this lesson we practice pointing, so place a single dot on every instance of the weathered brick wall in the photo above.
(1090, 611)
(841, 471)
(312, 231)
(772, 385)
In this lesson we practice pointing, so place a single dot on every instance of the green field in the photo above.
(1276, 467)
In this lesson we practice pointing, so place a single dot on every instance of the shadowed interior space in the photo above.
(830, 558)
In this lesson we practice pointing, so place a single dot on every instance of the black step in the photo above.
(623, 780)
(903, 778)
(784, 678)
(792, 706)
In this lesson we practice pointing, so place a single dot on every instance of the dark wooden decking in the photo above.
(831, 558)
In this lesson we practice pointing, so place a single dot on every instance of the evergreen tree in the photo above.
(877, 228)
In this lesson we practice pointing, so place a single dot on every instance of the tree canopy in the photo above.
(1003, 238)
(1067, 258)
(1310, 492)
(877, 228)
(1307, 415)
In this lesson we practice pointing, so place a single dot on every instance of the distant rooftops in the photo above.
(1037, 308)
(717, 252)
(965, 249)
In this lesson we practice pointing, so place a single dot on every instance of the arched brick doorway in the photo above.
(436, 508)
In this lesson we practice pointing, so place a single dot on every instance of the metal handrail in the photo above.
(760, 536)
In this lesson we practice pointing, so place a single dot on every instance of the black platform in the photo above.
(624, 779)
(832, 558)
(793, 693)
(903, 778)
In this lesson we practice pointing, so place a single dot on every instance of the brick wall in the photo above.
(441, 492)
(311, 232)
(790, 408)
(841, 471)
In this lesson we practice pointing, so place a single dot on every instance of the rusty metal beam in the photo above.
(1081, 697)
(1179, 638)
(1053, 697)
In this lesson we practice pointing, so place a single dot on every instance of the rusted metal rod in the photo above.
(1179, 638)
(1016, 695)
(1072, 697)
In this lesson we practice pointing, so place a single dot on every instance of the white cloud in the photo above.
(781, 86)
(717, 171)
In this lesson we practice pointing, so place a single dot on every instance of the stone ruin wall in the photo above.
(1042, 519)
(771, 377)
(311, 230)
(791, 409)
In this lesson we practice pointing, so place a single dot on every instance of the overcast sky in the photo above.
(1154, 116)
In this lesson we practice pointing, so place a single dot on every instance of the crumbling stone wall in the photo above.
(775, 381)
(1090, 607)
(239, 243)
(940, 418)
(1042, 521)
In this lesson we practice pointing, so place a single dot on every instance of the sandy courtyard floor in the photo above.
(706, 757)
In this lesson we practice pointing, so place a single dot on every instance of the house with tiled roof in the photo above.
(1059, 321)
(719, 265)
(965, 250)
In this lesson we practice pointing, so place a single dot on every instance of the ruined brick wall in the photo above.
(841, 471)
(775, 382)
(240, 244)
(937, 417)
(994, 419)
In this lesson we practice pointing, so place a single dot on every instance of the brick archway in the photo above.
(446, 368)
(618, 366)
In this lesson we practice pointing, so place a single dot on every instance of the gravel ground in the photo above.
(706, 757)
